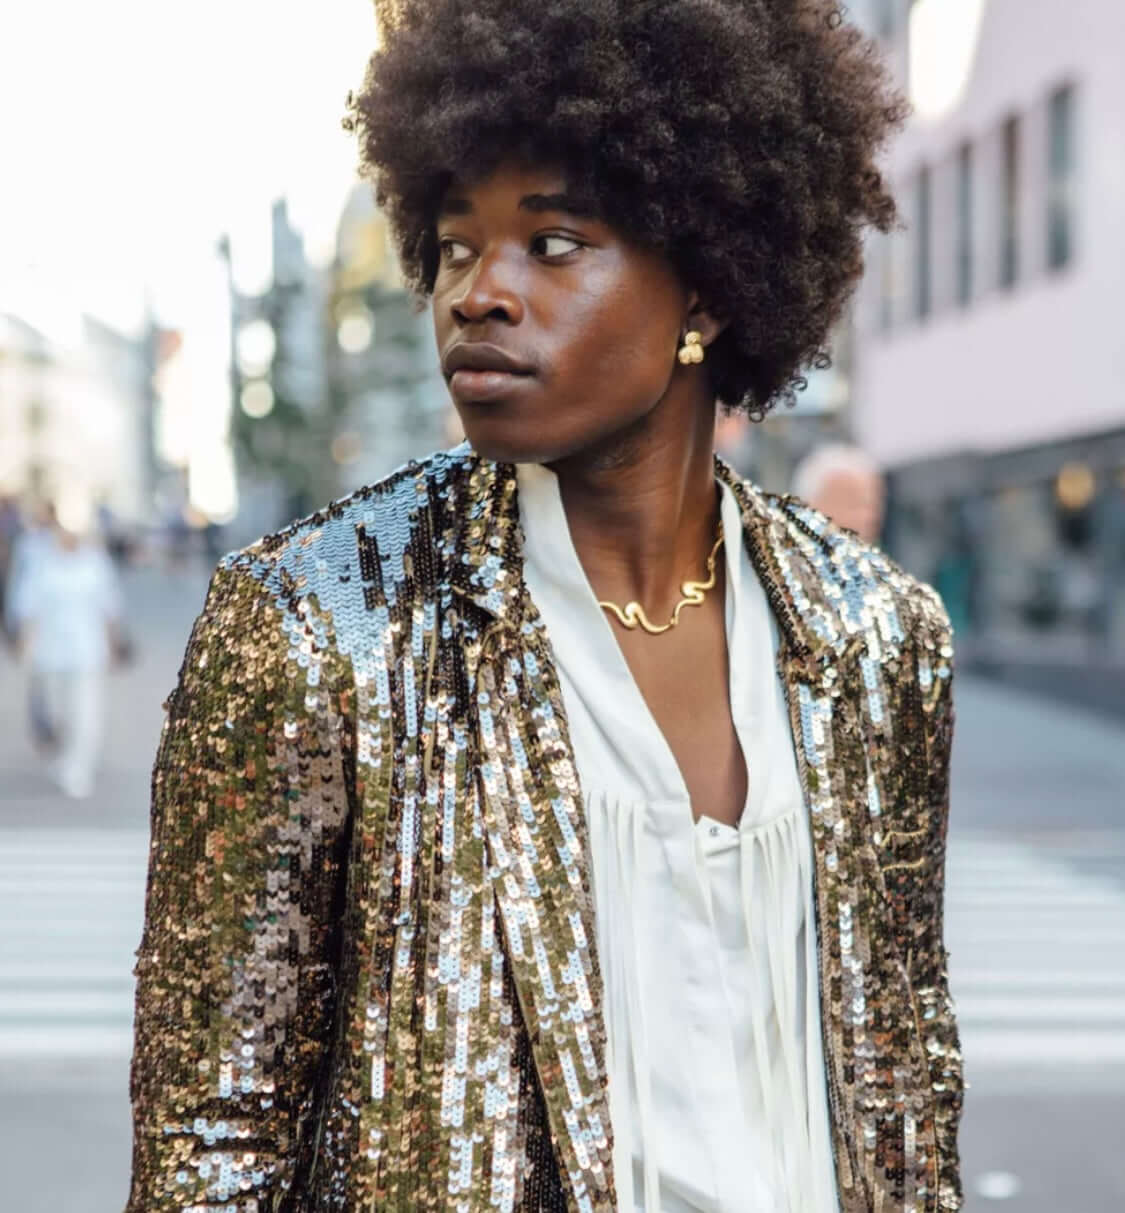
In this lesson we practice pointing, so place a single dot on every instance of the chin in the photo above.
(545, 435)
(501, 449)
(504, 440)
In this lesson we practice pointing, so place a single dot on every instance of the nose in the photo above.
(489, 292)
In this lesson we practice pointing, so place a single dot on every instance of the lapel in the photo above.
(536, 827)
(838, 624)
(813, 654)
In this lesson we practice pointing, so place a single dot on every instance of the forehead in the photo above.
(516, 186)
(851, 478)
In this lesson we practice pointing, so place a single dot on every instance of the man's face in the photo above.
(853, 499)
(555, 332)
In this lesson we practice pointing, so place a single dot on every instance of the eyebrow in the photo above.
(537, 204)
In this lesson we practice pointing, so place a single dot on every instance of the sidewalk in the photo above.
(66, 1110)
(1026, 763)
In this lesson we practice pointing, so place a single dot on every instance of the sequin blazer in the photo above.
(368, 977)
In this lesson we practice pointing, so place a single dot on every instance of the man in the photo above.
(844, 483)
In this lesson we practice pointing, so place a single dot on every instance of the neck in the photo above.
(643, 509)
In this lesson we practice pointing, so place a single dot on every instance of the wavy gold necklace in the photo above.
(633, 615)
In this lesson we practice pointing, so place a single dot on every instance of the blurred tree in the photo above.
(275, 432)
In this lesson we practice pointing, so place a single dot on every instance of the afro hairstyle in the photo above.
(737, 137)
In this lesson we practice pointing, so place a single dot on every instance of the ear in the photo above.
(700, 318)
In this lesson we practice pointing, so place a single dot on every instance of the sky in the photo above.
(943, 38)
(133, 134)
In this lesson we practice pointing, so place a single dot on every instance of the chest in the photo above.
(684, 679)
(480, 936)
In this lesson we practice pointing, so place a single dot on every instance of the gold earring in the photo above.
(692, 349)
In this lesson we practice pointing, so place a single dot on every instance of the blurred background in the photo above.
(203, 335)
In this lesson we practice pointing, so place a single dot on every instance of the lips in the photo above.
(482, 356)
(477, 372)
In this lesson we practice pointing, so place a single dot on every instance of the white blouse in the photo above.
(705, 931)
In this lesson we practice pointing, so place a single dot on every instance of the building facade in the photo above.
(382, 360)
(989, 356)
(334, 376)
(76, 417)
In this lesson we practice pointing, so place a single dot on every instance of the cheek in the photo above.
(624, 338)
(440, 313)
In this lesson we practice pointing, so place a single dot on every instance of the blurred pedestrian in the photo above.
(28, 540)
(65, 611)
(845, 484)
(11, 527)
(32, 540)
(114, 535)
(177, 534)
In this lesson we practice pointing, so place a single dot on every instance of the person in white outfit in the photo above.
(65, 610)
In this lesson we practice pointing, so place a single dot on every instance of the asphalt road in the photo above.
(1035, 928)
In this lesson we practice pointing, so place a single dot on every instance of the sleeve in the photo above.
(236, 972)
(929, 959)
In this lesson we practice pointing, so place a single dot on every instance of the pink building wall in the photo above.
(1044, 359)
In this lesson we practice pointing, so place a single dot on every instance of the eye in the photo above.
(454, 252)
(554, 245)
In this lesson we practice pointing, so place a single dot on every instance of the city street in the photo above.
(1035, 928)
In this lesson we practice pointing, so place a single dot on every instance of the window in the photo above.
(1010, 203)
(923, 232)
(885, 282)
(888, 12)
(1060, 177)
(964, 237)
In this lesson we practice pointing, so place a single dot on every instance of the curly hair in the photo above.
(738, 137)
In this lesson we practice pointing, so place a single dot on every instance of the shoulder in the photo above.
(280, 607)
(854, 586)
(360, 537)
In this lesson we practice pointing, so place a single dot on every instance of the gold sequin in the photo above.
(368, 978)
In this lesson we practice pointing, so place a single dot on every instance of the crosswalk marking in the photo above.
(1037, 945)
(84, 1004)
(1024, 1009)
(73, 905)
(1019, 979)
(1043, 1051)
(1037, 955)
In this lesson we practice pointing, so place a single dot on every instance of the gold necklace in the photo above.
(693, 592)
